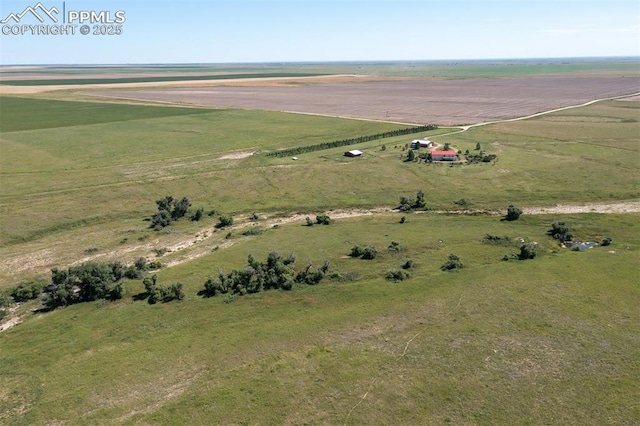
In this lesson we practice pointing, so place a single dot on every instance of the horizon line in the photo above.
(319, 62)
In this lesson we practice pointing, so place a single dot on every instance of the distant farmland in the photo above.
(442, 102)
(151, 79)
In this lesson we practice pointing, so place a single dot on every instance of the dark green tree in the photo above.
(180, 208)
(513, 213)
(419, 203)
(560, 231)
(411, 156)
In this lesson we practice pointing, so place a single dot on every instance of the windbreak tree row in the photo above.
(351, 141)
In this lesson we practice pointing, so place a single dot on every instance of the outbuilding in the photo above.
(353, 153)
(421, 143)
(450, 155)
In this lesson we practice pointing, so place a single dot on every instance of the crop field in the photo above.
(442, 102)
(548, 340)
(145, 79)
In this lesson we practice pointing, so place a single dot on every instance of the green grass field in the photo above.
(550, 340)
(553, 340)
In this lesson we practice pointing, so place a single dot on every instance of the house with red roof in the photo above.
(450, 155)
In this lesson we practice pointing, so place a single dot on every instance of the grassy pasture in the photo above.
(20, 114)
(92, 184)
(551, 340)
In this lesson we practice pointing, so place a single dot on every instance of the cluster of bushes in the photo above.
(364, 252)
(408, 204)
(276, 273)
(90, 281)
(351, 141)
(84, 283)
(169, 210)
(400, 274)
(157, 293)
(480, 158)
(322, 219)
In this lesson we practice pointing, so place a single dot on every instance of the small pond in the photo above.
(576, 245)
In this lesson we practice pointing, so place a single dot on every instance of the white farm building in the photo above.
(421, 143)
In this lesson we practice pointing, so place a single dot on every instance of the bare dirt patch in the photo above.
(443, 102)
(236, 155)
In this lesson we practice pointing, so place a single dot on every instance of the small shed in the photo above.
(450, 155)
(353, 153)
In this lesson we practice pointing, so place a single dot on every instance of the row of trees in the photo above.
(351, 141)
(276, 273)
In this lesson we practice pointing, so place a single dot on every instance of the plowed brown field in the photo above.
(443, 102)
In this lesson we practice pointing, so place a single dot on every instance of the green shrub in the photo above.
(397, 275)
(154, 265)
(528, 251)
(323, 219)
(157, 293)
(197, 215)
(345, 276)
(356, 251)
(253, 231)
(494, 239)
(224, 221)
(28, 290)
(5, 298)
(395, 247)
(369, 253)
(453, 263)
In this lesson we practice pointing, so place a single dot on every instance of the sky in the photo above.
(257, 31)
